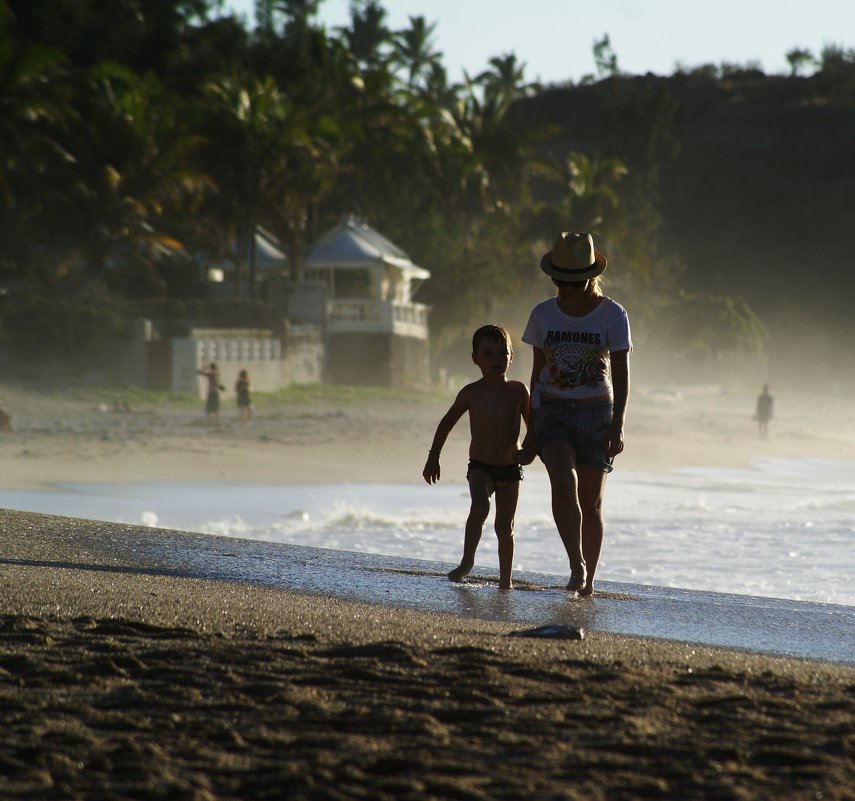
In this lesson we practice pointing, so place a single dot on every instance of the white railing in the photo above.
(413, 313)
(378, 316)
(349, 311)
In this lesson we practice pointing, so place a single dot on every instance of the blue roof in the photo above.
(352, 243)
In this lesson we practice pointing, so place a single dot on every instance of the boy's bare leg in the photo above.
(592, 485)
(480, 488)
(506, 509)
(559, 458)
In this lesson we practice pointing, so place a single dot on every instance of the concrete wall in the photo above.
(300, 355)
(377, 360)
(272, 363)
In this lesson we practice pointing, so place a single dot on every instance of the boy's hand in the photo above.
(431, 471)
(526, 454)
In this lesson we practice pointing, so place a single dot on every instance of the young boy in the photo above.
(496, 407)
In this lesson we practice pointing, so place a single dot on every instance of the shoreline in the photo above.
(777, 627)
(122, 676)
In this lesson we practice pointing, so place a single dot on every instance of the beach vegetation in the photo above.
(133, 398)
(38, 324)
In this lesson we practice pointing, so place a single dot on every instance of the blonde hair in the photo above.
(593, 284)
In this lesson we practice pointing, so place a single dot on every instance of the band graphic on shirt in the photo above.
(572, 364)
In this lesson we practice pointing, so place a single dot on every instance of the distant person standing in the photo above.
(5, 420)
(765, 412)
(244, 400)
(212, 402)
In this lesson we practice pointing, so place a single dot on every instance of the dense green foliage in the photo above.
(136, 135)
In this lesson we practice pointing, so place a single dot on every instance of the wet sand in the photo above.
(120, 679)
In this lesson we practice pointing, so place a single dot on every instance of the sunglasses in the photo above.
(574, 284)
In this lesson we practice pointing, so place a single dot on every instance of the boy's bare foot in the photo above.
(587, 591)
(506, 585)
(459, 573)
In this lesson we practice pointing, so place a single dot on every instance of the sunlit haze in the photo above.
(554, 38)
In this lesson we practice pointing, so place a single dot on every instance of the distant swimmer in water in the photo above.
(496, 408)
(764, 412)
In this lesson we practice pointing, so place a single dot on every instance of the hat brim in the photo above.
(599, 266)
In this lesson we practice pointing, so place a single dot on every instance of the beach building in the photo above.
(375, 333)
(351, 320)
(260, 260)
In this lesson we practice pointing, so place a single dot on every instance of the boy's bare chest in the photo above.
(495, 406)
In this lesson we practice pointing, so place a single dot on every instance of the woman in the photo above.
(579, 392)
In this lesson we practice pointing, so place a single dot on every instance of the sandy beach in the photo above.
(121, 680)
(60, 437)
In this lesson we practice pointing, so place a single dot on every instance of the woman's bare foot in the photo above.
(506, 585)
(587, 591)
(578, 580)
(459, 573)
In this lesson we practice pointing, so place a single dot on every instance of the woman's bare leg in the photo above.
(592, 485)
(559, 458)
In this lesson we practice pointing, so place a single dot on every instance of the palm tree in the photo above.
(130, 168)
(274, 161)
(295, 13)
(414, 50)
(586, 188)
(505, 82)
(503, 151)
(34, 109)
(367, 35)
(245, 113)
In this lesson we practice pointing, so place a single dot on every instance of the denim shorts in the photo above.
(583, 425)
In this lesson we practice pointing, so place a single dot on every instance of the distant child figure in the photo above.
(212, 403)
(244, 401)
(5, 421)
(496, 408)
(765, 412)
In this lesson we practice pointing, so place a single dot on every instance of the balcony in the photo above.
(377, 317)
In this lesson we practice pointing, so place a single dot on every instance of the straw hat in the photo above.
(573, 258)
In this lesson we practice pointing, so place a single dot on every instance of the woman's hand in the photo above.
(614, 440)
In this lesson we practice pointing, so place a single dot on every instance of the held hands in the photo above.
(431, 471)
(525, 455)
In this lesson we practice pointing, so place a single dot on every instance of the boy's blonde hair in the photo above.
(491, 331)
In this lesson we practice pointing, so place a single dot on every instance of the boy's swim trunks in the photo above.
(502, 476)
